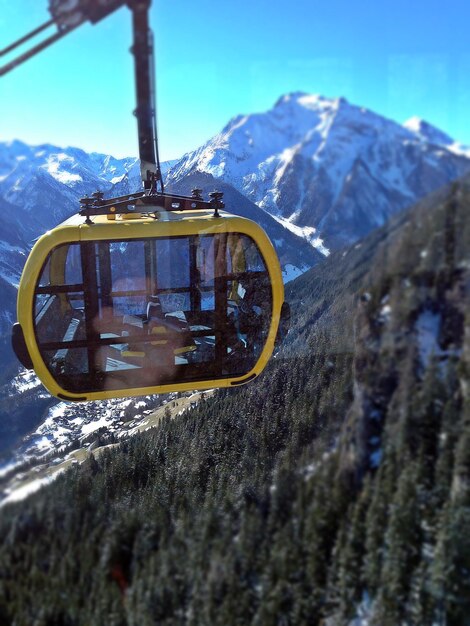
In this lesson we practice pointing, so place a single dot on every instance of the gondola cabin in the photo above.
(123, 307)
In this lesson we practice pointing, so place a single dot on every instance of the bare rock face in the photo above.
(411, 330)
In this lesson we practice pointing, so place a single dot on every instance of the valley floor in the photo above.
(20, 482)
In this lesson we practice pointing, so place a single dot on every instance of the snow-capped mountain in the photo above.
(39, 187)
(131, 180)
(327, 170)
(45, 182)
(295, 254)
(328, 165)
(66, 433)
(430, 134)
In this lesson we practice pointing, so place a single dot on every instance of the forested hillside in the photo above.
(337, 484)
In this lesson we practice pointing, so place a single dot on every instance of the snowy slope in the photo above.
(326, 170)
(328, 165)
(295, 254)
(130, 180)
(430, 134)
(40, 186)
(45, 182)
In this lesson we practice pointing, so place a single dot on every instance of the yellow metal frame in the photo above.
(168, 225)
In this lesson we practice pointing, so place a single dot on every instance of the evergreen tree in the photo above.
(402, 548)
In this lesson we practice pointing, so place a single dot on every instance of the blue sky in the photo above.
(218, 59)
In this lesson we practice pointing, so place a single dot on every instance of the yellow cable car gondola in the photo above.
(151, 292)
(123, 307)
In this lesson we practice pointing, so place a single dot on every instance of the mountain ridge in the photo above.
(314, 162)
(296, 255)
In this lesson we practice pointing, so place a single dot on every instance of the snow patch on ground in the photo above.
(117, 179)
(306, 232)
(8, 467)
(55, 167)
(25, 381)
(289, 272)
(459, 149)
(427, 328)
(5, 246)
(11, 278)
(96, 425)
(26, 490)
(363, 614)
(375, 458)
(385, 314)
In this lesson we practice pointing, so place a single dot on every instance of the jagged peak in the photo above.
(427, 131)
(288, 97)
(308, 100)
(15, 143)
(232, 123)
(286, 105)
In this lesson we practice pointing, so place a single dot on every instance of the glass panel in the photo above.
(173, 270)
(249, 304)
(205, 260)
(58, 303)
(73, 266)
(129, 280)
(153, 312)
(254, 260)
(66, 363)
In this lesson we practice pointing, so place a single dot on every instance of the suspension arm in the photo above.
(142, 50)
(67, 15)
